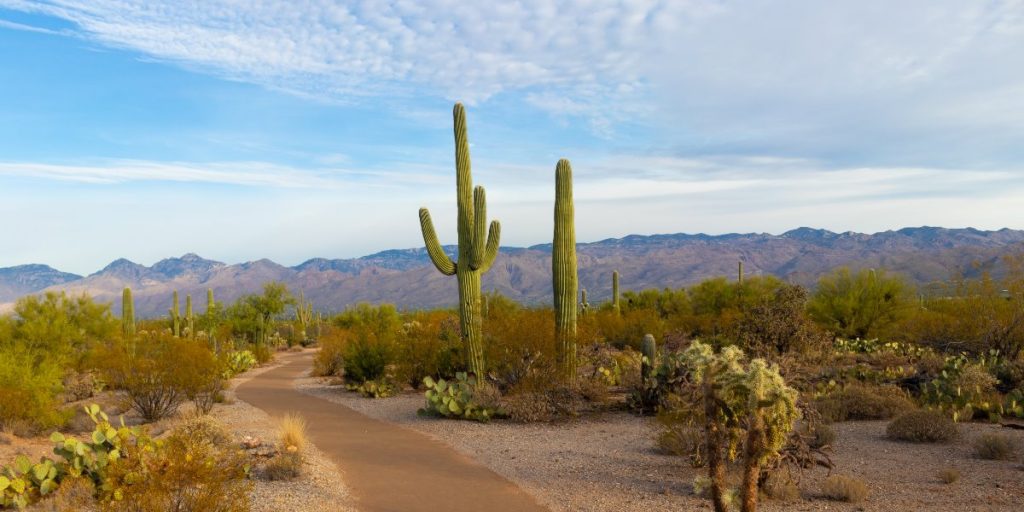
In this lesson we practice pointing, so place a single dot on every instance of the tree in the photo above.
(861, 305)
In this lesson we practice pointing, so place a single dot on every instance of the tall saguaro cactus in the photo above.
(127, 313)
(478, 247)
(739, 272)
(175, 315)
(190, 321)
(210, 320)
(615, 291)
(584, 305)
(563, 271)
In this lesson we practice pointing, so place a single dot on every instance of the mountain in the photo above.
(25, 279)
(407, 278)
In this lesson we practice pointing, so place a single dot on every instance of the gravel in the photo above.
(608, 462)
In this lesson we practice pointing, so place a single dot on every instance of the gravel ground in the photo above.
(608, 463)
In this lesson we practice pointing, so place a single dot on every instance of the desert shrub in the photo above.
(992, 446)
(159, 372)
(429, 346)
(779, 486)
(330, 359)
(191, 470)
(366, 358)
(73, 495)
(974, 316)
(844, 488)
(283, 466)
(859, 305)
(861, 402)
(30, 384)
(680, 437)
(262, 353)
(779, 325)
(517, 340)
(819, 435)
(922, 426)
(717, 304)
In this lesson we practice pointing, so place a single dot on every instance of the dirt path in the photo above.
(388, 468)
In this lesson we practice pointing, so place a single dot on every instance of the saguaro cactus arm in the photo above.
(441, 260)
(491, 251)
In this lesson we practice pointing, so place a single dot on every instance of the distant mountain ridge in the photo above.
(407, 278)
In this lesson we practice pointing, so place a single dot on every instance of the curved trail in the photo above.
(387, 468)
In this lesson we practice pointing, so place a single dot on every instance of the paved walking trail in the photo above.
(387, 468)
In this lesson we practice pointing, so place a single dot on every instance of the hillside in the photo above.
(406, 277)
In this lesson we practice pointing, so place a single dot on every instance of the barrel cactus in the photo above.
(478, 246)
(563, 271)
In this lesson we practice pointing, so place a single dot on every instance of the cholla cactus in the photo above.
(745, 406)
(478, 246)
(563, 271)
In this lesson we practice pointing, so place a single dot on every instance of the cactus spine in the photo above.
(175, 316)
(477, 248)
(649, 348)
(190, 321)
(563, 270)
(127, 313)
(615, 291)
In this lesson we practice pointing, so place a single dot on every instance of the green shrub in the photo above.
(330, 359)
(844, 488)
(31, 384)
(922, 426)
(859, 305)
(995, 447)
(366, 358)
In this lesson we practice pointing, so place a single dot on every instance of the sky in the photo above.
(292, 130)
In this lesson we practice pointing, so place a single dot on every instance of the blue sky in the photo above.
(146, 129)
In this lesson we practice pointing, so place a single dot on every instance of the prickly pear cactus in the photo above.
(456, 399)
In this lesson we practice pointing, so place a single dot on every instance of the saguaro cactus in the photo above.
(477, 249)
(584, 305)
(190, 321)
(210, 320)
(563, 271)
(739, 272)
(127, 313)
(303, 315)
(175, 316)
(615, 291)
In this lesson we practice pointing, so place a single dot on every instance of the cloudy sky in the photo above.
(288, 130)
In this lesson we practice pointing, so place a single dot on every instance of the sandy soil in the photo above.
(609, 464)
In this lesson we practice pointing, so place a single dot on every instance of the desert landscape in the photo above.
(729, 256)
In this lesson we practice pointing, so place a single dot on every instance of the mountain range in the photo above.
(406, 277)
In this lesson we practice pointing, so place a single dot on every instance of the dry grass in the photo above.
(292, 430)
(995, 447)
(949, 476)
(844, 488)
(284, 466)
